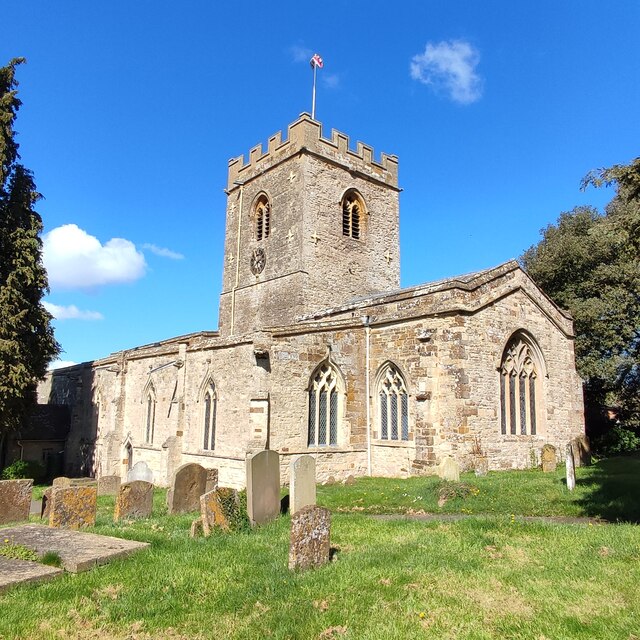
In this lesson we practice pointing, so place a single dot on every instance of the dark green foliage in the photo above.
(21, 469)
(27, 344)
(616, 441)
(589, 264)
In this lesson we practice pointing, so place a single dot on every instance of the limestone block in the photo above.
(449, 469)
(309, 545)
(302, 475)
(15, 500)
(549, 458)
(135, 500)
(263, 486)
(109, 485)
(189, 483)
(73, 508)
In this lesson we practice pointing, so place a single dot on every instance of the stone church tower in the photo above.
(310, 224)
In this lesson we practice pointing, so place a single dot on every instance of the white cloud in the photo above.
(162, 252)
(300, 53)
(450, 67)
(71, 312)
(330, 80)
(76, 260)
(58, 364)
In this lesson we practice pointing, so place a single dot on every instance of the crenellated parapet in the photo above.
(305, 135)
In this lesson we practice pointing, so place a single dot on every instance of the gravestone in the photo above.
(109, 485)
(73, 508)
(212, 480)
(46, 503)
(310, 533)
(15, 500)
(571, 469)
(61, 483)
(218, 508)
(189, 483)
(302, 482)
(135, 500)
(549, 458)
(140, 471)
(581, 451)
(449, 469)
(263, 486)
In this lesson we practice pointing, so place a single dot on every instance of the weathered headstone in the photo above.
(350, 480)
(73, 508)
(571, 469)
(212, 480)
(263, 486)
(549, 458)
(46, 503)
(61, 483)
(302, 482)
(218, 508)
(581, 451)
(310, 533)
(15, 500)
(189, 483)
(109, 485)
(140, 471)
(449, 469)
(135, 500)
(481, 465)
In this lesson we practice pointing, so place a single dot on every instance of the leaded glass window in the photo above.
(150, 417)
(394, 406)
(518, 381)
(209, 418)
(323, 408)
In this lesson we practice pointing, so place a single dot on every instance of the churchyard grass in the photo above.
(477, 578)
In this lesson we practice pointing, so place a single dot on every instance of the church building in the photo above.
(319, 351)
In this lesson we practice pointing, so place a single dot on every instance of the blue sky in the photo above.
(131, 111)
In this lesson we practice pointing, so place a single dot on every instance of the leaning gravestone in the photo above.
(135, 500)
(549, 458)
(310, 533)
(109, 485)
(189, 483)
(571, 469)
(263, 486)
(73, 508)
(140, 471)
(302, 482)
(449, 469)
(218, 508)
(15, 500)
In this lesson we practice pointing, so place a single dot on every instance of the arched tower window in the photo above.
(150, 418)
(393, 405)
(210, 403)
(519, 388)
(262, 217)
(323, 407)
(353, 211)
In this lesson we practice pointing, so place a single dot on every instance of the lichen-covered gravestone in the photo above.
(218, 508)
(549, 458)
(140, 471)
(571, 469)
(310, 533)
(73, 508)
(189, 483)
(15, 500)
(263, 486)
(135, 500)
(449, 469)
(302, 482)
(109, 485)
(62, 482)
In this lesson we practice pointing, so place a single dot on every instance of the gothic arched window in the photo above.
(393, 405)
(210, 403)
(519, 388)
(262, 217)
(353, 211)
(150, 416)
(323, 407)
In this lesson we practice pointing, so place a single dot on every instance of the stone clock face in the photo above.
(258, 260)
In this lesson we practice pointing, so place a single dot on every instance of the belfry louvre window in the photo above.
(394, 406)
(262, 217)
(353, 211)
(323, 408)
(519, 380)
(150, 417)
(210, 404)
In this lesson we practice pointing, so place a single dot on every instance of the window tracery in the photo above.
(262, 217)
(323, 407)
(393, 405)
(353, 211)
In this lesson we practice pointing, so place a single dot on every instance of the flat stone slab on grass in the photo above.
(14, 571)
(79, 551)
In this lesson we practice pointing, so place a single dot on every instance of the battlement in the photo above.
(303, 135)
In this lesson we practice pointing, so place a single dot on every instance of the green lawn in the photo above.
(485, 577)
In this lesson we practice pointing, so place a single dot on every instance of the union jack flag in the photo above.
(316, 61)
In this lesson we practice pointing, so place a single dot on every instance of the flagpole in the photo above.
(313, 98)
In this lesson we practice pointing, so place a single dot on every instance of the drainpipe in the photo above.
(367, 333)
(235, 286)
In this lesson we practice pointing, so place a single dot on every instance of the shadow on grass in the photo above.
(612, 489)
